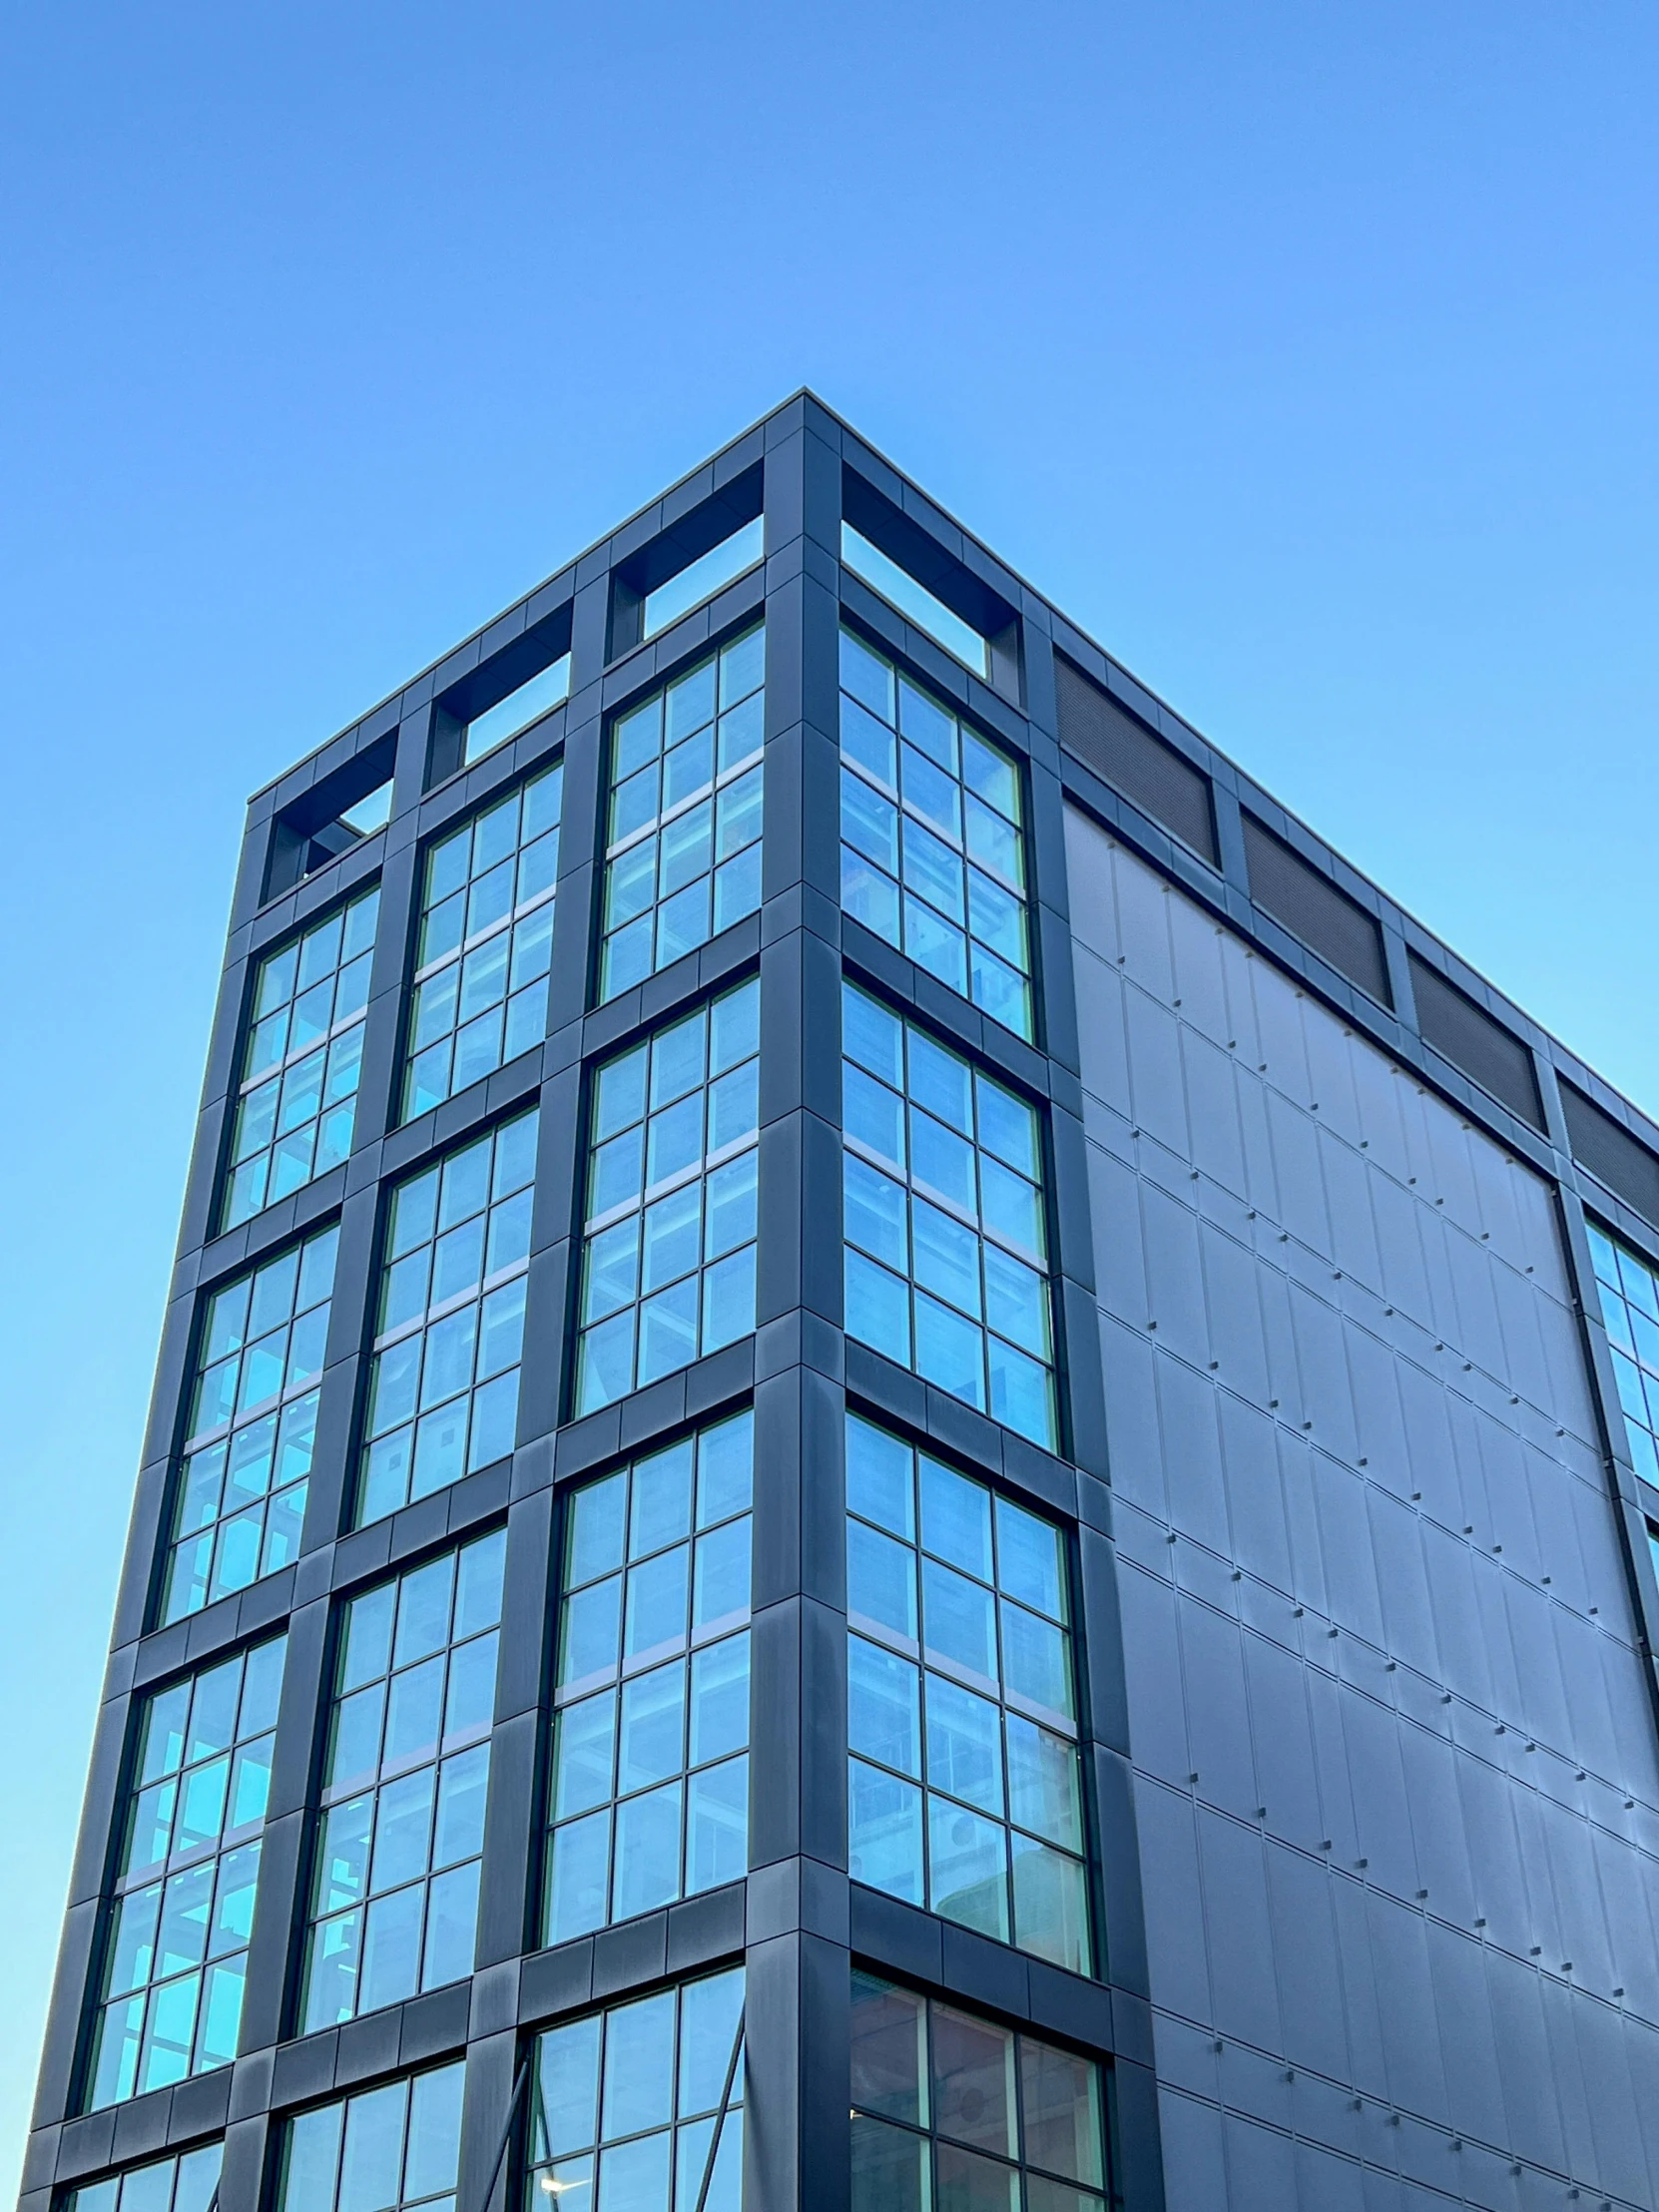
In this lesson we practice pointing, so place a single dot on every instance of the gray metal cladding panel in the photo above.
(1396, 1775)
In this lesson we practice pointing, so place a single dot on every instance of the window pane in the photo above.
(252, 1416)
(957, 799)
(305, 995)
(432, 1674)
(997, 1841)
(682, 858)
(608, 2090)
(665, 1283)
(443, 1381)
(384, 2150)
(183, 1898)
(943, 1221)
(651, 1703)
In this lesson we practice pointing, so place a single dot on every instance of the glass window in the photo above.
(717, 568)
(964, 1783)
(185, 2184)
(951, 2110)
(947, 1269)
(916, 600)
(240, 1492)
(539, 696)
(683, 833)
(394, 1905)
(176, 1946)
(299, 1091)
(449, 1330)
(485, 943)
(649, 1792)
(932, 852)
(668, 1259)
(384, 2150)
(1630, 1306)
(627, 2104)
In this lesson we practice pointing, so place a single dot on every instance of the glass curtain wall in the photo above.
(682, 829)
(1629, 1292)
(175, 1951)
(949, 2111)
(386, 2151)
(402, 1833)
(240, 1496)
(947, 1248)
(185, 2184)
(650, 1777)
(964, 1782)
(634, 2109)
(449, 1324)
(485, 943)
(933, 836)
(668, 1259)
(298, 1095)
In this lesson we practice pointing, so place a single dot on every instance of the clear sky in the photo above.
(1305, 353)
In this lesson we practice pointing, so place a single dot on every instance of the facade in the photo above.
(899, 1461)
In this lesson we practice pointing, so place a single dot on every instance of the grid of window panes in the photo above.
(650, 1779)
(683, 833)
(450, 1331)
(299, 1091)
(628, 2104)
(944, 1220)
(384, 2150)
(176, 1955)
(252, 1423)
(954, 2111)
(1630, 1306)
(668, 1261)
(485, 943)
(933, 850)
(964, 1782)
(185, 2184)
(396, 1902)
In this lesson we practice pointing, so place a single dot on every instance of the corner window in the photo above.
(401, 1840)
(1630, 1306)
(449, 1325)
(185, 2184)
(240, 1500)
(899, 585)
(176, 1951)
(650, 1780)
(392, 2149)
(951, 2110)
(668, 1257)
(964, 1785)
(682, 830)
(297, 1096)
(932, 848)
(485, 944)
(947, 1268)
(642, 2105)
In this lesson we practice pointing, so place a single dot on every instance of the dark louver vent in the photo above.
(1468, 1036)
(1310, 907)
(1612, 1155)
(1124, 753)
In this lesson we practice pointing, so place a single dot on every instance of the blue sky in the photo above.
(1305, 355)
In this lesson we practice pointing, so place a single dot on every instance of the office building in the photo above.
(899, 1461)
